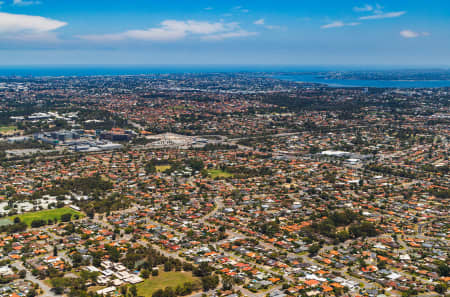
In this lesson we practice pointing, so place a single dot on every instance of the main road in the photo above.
(47, 291)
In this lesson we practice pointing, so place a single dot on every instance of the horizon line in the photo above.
(391, 66)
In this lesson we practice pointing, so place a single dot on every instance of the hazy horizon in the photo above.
(307, 67)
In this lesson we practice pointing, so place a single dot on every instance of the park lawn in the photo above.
(213, 173)
(47, 214)
(162, 168)
(163, 280)
(5, 222)
(7, 129)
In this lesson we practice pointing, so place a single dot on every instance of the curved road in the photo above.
(47, 292)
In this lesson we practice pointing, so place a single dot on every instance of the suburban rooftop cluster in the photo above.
(223, 185)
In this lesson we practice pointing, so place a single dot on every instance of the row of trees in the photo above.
(19, 226)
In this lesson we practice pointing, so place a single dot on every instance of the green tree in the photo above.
(133, 291)
(158, 293)
(443, 269)
(66, 217)
(22, 273)
(314, 249)
(210, 282)
(441, 288)
(145, 273)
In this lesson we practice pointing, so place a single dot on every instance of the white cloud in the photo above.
(226, 35)
(262, 22)
(259, 22)
(208, 8)
(409, 34)
(412, 34)
(172, 30)
(25, 2)
(339, 24)
(333, 25)
(383, 15)
(364, 8)
(27, 27)
(196, 27)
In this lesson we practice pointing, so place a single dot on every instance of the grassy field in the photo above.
(162, 168)
(5, 222)
(46, 214)
(213, 173)
(7, 129)
(163, 280)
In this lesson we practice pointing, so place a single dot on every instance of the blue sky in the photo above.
(295, 32)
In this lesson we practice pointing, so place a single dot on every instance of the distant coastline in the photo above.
(306, 74)
(376, 83)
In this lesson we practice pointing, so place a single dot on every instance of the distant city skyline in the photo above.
(322, 32)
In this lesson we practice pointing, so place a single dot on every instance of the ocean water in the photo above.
(365, 83)
(94, 70)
